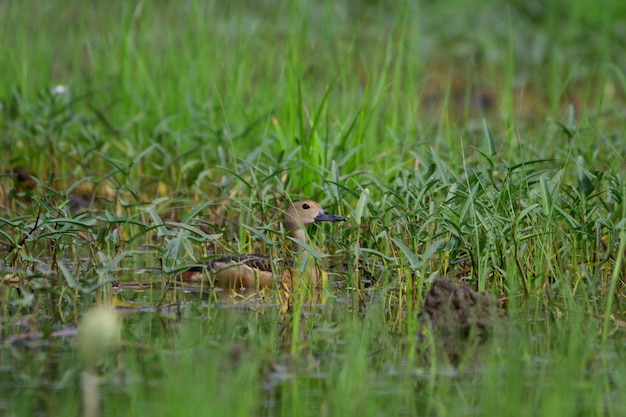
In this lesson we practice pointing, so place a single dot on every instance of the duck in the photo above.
(256, 272)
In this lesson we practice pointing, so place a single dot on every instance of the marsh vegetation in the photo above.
(481, 142)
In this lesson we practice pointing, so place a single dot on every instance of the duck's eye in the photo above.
(305, 206)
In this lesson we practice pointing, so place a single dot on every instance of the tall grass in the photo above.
(482, 142)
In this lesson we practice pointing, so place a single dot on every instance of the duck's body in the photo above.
(252, 271)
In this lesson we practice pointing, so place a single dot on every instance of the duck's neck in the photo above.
(300, 237)
(306, 263)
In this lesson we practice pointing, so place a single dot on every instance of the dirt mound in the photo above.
(458, 316)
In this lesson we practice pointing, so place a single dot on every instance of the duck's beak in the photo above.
(327, 217)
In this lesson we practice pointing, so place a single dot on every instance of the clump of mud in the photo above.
(459, 317)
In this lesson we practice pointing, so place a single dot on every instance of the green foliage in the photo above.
(480, 141)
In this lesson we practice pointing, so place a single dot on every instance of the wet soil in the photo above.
(460, 318)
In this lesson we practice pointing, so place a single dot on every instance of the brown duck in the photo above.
(252, 271)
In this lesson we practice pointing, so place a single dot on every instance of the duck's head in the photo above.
(304, 212)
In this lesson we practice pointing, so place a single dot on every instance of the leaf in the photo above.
(414, 262)
(547, 197)
(205, 237)
(584, 179)
(490, 139)
(69, 278)
(161, 229)
(195, 211)
(361, 205)
(78, 221)
(432, 249)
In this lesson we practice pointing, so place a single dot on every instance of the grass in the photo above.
(483, 142)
